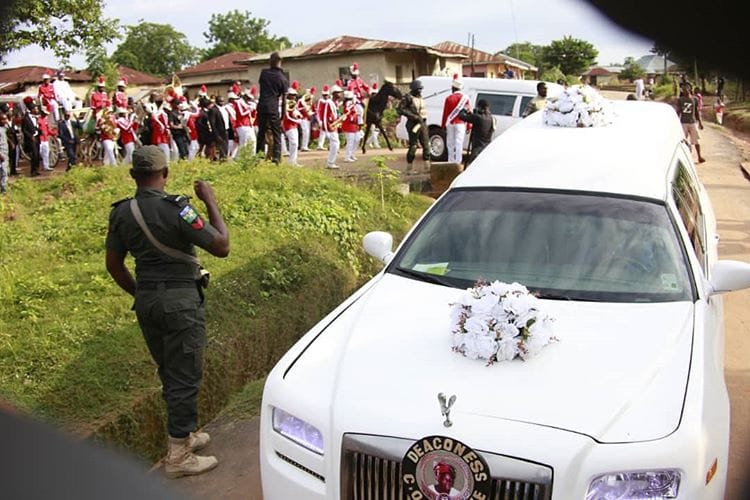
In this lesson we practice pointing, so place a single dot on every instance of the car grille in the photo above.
(375, 474)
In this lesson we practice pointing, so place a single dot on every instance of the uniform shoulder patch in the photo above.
(189, 215)
(121, 201)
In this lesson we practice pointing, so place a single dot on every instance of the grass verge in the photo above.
(70, 348)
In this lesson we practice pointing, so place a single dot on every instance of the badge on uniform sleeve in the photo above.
(190, 216)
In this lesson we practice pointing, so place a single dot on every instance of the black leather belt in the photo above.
(154, 285)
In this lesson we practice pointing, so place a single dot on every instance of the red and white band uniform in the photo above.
(290, 126)
(328, 115)
(243, 122)
(99, 100)
(455, 128)
(160, 131)
(120, 100)
(189, 118)
(319, 116)
(44, 134)
(359, 88)
(48, 98)
(350, 128)
(304, 106)
(108, 135)
(127, 128)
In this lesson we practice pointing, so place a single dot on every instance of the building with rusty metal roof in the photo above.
(484, 64)
(217, 74)
(326, 61)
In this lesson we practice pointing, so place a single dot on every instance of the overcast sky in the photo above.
(495, 24)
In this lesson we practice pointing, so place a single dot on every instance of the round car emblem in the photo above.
(443, 468)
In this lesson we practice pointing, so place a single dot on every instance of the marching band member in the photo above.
(350, 125)
(107, 129)
(325, 94)
(329, 122)
(127, 129)
(455, 128)
(373, 142)
(189, 116)
(357, 85)
(243, 116)
(290, 123)
(231, 115)
(160, 127)
(99, 98)
(305, 108)
(47, 96)
(44, 133)
(120, 98)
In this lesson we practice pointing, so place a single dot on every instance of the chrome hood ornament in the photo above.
(445, 409)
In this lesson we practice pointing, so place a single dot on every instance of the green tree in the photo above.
(98, 64)
(631, 71)
(571, 55)
(63, 26)
(526, 52)
(154, 48)
(238, 31)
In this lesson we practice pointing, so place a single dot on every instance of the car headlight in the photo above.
(636, 485)
(297, 430)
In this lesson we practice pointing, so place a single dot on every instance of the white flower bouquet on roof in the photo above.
(499, 322)
(578, 106)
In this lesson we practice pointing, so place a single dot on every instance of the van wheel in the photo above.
(438, 151)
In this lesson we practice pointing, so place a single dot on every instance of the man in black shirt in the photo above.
(483, 126)
(273, 86)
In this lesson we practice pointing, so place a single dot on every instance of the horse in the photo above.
(375, 108)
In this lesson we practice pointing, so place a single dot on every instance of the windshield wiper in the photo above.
(429, 278)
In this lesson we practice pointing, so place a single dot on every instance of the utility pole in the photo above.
(471, 53)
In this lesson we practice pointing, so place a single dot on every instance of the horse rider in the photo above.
(120, 98)
(48, 97)
(99, 98)
(356, 85)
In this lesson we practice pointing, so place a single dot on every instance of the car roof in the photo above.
(632, 156)
(494, 84)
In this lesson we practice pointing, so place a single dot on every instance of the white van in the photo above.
(507, 100)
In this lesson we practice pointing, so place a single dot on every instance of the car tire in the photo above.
(438, 151)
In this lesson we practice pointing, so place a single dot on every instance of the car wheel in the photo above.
(438, 151)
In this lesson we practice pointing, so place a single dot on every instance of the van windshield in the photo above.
(560, 245)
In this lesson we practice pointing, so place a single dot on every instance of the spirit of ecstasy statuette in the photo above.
(445, 408)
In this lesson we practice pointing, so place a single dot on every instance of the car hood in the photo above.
(617, 374)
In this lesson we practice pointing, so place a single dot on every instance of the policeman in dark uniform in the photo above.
(168, 291)
(412, 106)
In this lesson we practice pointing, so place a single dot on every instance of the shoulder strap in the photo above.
(172, 252)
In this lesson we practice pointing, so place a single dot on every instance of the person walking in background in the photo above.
(719, 109)
(639, 89)
(412, 106)
(455, 128)
(350, 126)
(483, 127)
(273, 86)
(108, 132)
(45, 133)
(67, 132)
(290, 123)
(325, 94)
(4, 152)
(127, 129)
(30, 130)
(329, 122)
(538, 102)
(161, 231)
(687, 109)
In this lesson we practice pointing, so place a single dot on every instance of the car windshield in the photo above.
(560, 245)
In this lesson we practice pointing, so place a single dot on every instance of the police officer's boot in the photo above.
(427, 165)
(409, 167)
(181, 461)
(198, 440)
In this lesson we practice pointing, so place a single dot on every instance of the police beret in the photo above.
(149, 159)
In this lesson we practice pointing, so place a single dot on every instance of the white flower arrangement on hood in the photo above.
(578, 106)
(499, 322)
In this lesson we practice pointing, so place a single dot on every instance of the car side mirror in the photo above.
(379, 244)
(729, 275)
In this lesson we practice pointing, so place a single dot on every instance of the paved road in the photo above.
(236, 443)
